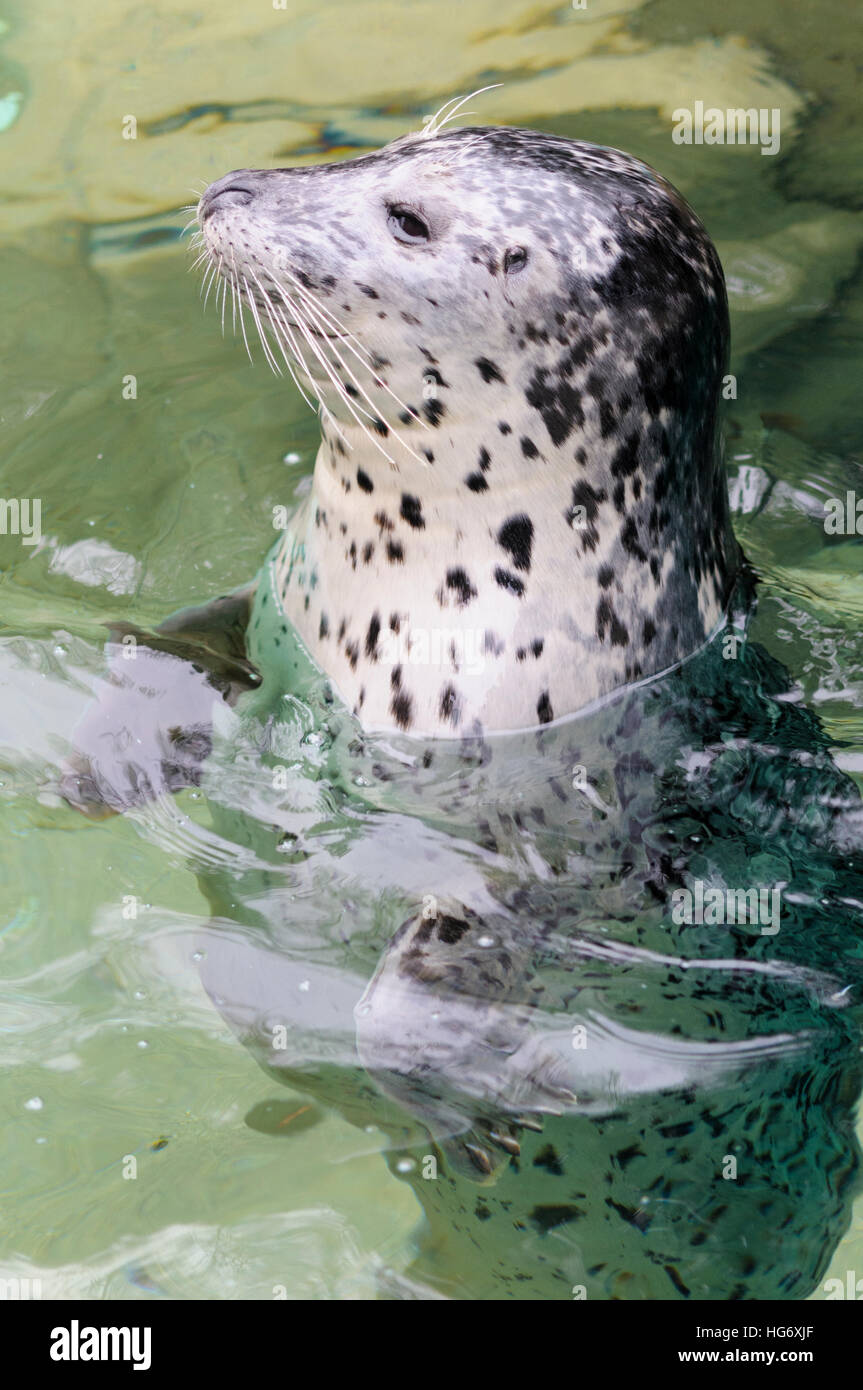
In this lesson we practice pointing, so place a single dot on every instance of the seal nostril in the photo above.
(232, 195)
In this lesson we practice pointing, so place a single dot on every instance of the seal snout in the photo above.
(229, 192)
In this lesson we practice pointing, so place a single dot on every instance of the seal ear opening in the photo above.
(515, 258)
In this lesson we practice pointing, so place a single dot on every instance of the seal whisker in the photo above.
(438, 120)
(362, 354)
(213, 280)
(307, 294)
(233, 307)
(253, 309)
(338, 385)
(240, 306)
(322, 411)
(346, 368)
(278, 333)
(432, 124)
(224, 301)
(328, 367)
(207, 282)
(280, 328)
(294, 348)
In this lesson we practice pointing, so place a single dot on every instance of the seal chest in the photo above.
(517, 343)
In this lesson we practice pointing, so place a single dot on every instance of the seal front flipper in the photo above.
(150, 729)
(212, 635)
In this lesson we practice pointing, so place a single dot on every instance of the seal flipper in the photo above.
(150, 729)
(212, 635)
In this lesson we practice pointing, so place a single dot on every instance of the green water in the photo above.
(110, 1045)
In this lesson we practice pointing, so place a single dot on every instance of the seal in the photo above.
(517, 343)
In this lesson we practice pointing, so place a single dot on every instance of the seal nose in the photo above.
(231, 191)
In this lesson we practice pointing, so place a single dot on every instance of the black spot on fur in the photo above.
(364, 481)
(629, 541)
(558, 403)
(411, 511)
(625, 460)
(402, 709)
(458, 582)
(607, 621)
(450, 705)
(476, 482)
(488, 370)
(607, 419)
(516, 537)
(544, 711)
(372, 636)
(510, 582)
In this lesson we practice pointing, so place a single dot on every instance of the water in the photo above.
(279, 894)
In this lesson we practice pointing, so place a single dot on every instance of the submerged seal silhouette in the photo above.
(517, 343)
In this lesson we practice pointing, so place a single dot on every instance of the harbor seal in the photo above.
(452, 920)
(517, 342)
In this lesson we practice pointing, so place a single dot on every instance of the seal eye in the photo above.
(406, 226)
(515, 259)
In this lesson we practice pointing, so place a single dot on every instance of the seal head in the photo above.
(517, 342)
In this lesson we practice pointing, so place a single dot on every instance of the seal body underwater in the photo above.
(518, 513)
